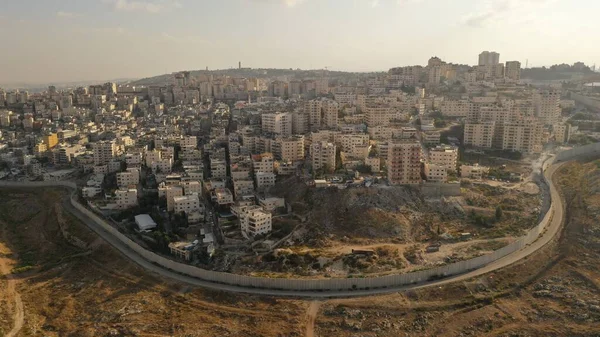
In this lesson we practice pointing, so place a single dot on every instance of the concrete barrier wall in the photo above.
(324, 284)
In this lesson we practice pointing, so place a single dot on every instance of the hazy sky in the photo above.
(71, 40)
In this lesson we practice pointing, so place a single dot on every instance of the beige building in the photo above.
(547, 107)
(128, 178)
(126, 198)
(300, 122)
(330, 114)
(256, 222)
(279, 123)
(513, 70)
(186, 204)
(290, 148)
(523, 136)
(479, 134)
(436, 173)
(322, 156)
(263, 163)
(404, 162)
(445, 156)
(378, 115)
(562, 133)
(459, 108)
(104, 152)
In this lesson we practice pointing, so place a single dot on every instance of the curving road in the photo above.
(550, 232)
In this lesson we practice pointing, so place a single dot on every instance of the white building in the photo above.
(104, 152)
(436, 173)
(186, 204)
(126, 198)
(473, 171)
(446, 156)
(279, 123)
(265, 180)
(323, 156)
(263, 163)
(256, 222)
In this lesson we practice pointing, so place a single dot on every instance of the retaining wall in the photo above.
(326, 284)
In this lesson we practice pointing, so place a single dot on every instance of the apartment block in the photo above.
(279, 123)
(186, 204)
(104, 152)
(436, 173)
(404, 162)
(256, 222)
(263, 163)
(512, 71)
(547, 107)
(323, 156)
(479, 134)
(289, 148)
(445, 156)
(126, 198)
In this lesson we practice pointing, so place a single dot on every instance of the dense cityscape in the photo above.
(308, 174)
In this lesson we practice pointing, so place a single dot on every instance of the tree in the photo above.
(498, 213)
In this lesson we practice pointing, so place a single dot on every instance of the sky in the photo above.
(55, 41)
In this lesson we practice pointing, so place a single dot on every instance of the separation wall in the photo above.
(326, 284)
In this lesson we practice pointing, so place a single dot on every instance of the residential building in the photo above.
(104, 152)
(488, 58)
(436, 173)
(547, 106)
(444, 156)
(512, 71)
(523, 136)
(404, 162)
(172, 192)
(264, 180)
(128, 178)
(279, 123)
(256, 222)
(186, 204)
(289, 148)
(51, 140)
(323, 156)
(126, 198)
(263, 163)
(479, 134)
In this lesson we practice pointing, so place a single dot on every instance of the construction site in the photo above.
(60, 279)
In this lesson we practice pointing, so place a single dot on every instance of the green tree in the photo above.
(498, 213)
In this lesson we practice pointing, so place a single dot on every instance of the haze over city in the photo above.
(70, 40)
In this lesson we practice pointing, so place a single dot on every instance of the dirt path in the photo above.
(11, 290)
(311, 317)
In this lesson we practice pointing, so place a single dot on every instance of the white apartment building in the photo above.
(345, 98)
(256, 222)
(104, 152)
(378, 115)
(263, 163)
(300, 123)
(279, 123)
(134, 159)
(222, 196)
(164, 165)
(153, 156)
(512, 71)
(191, 187)
(171, 192)
(479, 134)
(186, 204)
(313, 109)
(404, 162)
(348, 141)
(218, 168)
(547, 107)
(445, 156)
(126, 198)
(323, 156)
(191, 141)
(436, 173)
(290, 148)
(456, 108)
(523, 136)
(265, 180)
(128, 178)
(330, 114)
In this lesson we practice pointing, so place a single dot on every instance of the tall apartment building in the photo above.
(300, 123)
(479, 134)
(445, 156)
(524, 136)
(104, 152)
(322, 156)
(512, 71)
(459, 108)
(404, 162)
(547, 107)
(289, 148)
(314, 109)
(489, 58)
(279, 123)
(330, 114)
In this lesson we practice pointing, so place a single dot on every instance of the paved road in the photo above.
(548, 235)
